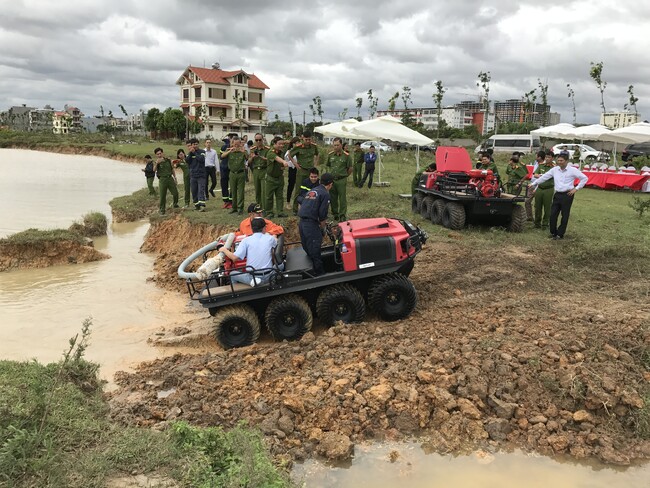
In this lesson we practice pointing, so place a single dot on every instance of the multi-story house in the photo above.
(616, 120)
(75, 118)
(61, 122)
(227, 101)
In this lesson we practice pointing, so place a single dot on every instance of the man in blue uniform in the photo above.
(313, 217)
(195, 159)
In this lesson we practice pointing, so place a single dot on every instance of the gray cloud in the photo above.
(132, 52)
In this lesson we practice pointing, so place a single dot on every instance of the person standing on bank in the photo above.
(358, 157)
(166, 179)
(149, 174)
(180, 162)
(236, 155)
(210, 168)
(292, 170)
(313, 217)
(306, 157)
(257, 162)
(370, 160)
(563, 180)
(275, 178)
(196, 162)
(225, 173)
(544, 194)
(339, 164)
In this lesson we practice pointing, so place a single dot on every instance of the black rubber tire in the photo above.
(425, 210)
(392, 297)
(340, 303)
(288, 318)
(416, 202)
(236, 326)
(436, 211)
(517, 219)
(591, 159)
(453, 216)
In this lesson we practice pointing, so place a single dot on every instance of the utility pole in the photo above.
(304, 115)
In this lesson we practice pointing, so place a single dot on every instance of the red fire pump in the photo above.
(484, 182)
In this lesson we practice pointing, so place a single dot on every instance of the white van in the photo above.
(525, 143)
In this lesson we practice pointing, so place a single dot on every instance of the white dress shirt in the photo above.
(210, 158)
(563, 178)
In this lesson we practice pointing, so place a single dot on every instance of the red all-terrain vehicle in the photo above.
(456, 194)
(367, 265)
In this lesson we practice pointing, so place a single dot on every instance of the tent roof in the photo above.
(387, 127)
(335, 129)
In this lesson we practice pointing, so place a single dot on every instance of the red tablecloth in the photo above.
(609, 181)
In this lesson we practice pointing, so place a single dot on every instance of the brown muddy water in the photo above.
(40, 309)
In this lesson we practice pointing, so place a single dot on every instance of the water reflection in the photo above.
(407, 465)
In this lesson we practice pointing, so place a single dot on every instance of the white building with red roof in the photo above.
(227, 101)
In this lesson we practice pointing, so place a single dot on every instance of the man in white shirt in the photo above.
(564, 177)
(258, 250)
(210, 168)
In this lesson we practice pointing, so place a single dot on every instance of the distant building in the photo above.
(553, 118)
(61, 122)
(229, 101)
(17, 117)
(519, 112)
(75, 118)
(616, 120)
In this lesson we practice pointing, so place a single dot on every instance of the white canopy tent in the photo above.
(335, 129)
(389, 127)
(558, 131)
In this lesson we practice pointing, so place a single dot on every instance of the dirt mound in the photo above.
(48, 253)
(491, 357)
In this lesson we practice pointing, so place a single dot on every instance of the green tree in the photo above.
(359, 101)
(123, 110)
(373, 101)
(343, 114)
(437, 98)
(152, 120)
(173, 122)
(529, 104)
(392, 101)
(572, 96)
(101, 110)
(543, 91)
(484, 78)
(596, 73)
(632, 99)
(407, 118)
(317, 108)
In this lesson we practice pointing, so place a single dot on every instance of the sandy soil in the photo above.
(503, 351)
(44, 254)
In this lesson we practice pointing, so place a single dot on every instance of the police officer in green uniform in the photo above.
(180, 162)
(544, 193)
(307, 156)
(357, 156)
(166, 179)
(275, 178)
(237, 158)
(487, 163)
(257, 162)
(517, 173)
(339, 164)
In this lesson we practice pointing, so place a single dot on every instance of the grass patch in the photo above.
(642, 418)
(136, 206)
(93, 224)
(37, 236)
(55, 431)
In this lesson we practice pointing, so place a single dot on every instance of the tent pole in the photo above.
(417, 159)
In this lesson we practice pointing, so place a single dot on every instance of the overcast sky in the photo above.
(92, 53)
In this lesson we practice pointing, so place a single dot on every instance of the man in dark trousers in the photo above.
(195, 159)
(149, 173)
(166, 179)
(564, 177)
(224, 171)
(313, 217)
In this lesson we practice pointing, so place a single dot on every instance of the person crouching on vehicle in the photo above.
(257, 250)
(313, 217)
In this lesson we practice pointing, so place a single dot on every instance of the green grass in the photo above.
(93, 224)
(136, 206)
(36, 236)
(55, 431)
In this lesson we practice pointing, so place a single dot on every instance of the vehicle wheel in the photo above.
(425, 209)
(416, 202)
(591, 159)
(436, 211)
(340, 302)
(517, 219)
(288, 317)
(453, 216)
(236, 326)
(392, 297)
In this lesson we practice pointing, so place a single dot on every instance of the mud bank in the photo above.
(85, 150)
(44, 254)
(486, 361)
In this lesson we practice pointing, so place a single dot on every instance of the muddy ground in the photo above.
(504, 350)
(47, 253)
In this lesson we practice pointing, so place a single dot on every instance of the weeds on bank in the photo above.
(93, 224)
(55, 431)
(35, 236)
(640, 205)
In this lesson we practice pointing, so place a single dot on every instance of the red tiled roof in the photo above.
(258, 108)
(220, 77)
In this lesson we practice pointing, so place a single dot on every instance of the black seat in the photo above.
(297, 260)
